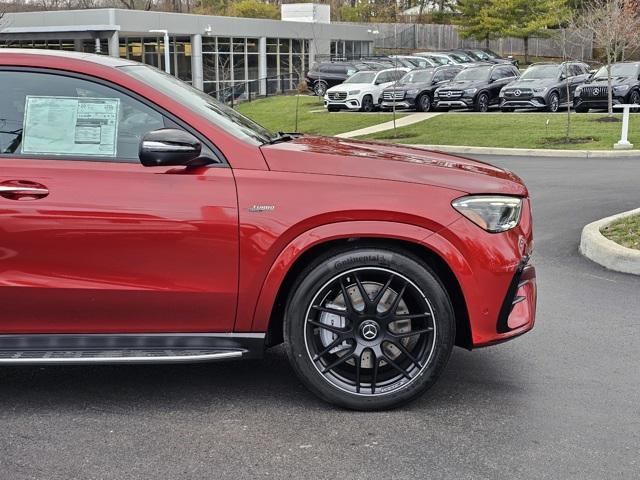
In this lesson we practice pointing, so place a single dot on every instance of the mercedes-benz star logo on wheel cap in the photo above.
(369, 330)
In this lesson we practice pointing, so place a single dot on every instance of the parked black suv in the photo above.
(543, 86)
(477, 87)
(625, 87)
(415, 89)
(324, 75)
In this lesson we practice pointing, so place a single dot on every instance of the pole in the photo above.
(167, 55)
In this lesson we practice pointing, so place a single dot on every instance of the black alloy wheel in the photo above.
(374, 335)
(482, 103)
(423, 103)
(553, 104)
(367, 104)
(320, 88)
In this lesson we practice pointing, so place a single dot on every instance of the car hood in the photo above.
(409, 86)
(463, 84)
(531, 83)
(614, 81)
(345, 87)
(345, 157)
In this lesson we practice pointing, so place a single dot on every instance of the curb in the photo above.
(534, 152)
(609, 254)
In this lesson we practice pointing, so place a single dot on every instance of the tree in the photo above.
(476, 20)
(529, 18)
(254, 9)
(613, 26)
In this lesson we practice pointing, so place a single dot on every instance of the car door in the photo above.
(91, 241)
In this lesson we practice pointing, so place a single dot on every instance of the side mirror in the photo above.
(170, 147)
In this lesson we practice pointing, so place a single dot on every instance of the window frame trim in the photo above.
(221, 160)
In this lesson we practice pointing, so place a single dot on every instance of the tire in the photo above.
(311, 324)
(581, 108)
(553, 103)
(423, 103)
(319, 88)
(482, 103)
(367, 104)
(634, 98)
(507, 109)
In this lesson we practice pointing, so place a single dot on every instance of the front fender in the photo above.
(343, 230)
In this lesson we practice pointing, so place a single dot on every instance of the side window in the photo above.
(504, 72)
(450, 73)
(439, 77)
(57, 116)
(382, 77)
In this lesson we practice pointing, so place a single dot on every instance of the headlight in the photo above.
(620, 89)
(577, 91)
(354, 92)
(501, 93)
(412, 92)
(491, 213)
(470, 91)
(540, 89)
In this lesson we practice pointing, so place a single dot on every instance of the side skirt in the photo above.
(62, 349)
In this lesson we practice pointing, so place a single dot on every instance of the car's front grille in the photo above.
(393, 95)
(518, 93)
(337, 96)
(594, 92)
(450, 93)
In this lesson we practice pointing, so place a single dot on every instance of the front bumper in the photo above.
(462, 102)
(387, 105)
(528, 103)
(599, 103)
(496, 277)
(348, 104)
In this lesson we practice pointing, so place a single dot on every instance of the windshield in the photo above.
(219, 114)
(417, 76)
(438, 60)
(459, 57)
(479, 73)
(541, 71)
(361, 77)
(490, 53)
(419, 62)
(619, 70)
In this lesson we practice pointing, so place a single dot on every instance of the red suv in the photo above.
(142, 221)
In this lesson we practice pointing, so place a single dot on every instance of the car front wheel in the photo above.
(482, 103)
(423, 103)
(553, 104)
(320, 88)
(369, 328)
(367, 104)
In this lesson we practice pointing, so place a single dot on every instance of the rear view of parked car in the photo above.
(476, 87)
(625, 82)
(362, 91)
(544, 86)
(416, 88)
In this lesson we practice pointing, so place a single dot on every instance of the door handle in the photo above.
(22, 190)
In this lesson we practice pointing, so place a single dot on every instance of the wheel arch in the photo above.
(275, 315)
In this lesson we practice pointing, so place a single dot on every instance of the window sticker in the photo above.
(70, 126)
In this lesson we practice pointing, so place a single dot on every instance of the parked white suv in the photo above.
(362, 90)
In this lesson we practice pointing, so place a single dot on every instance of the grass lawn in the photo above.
(515, 130)
(625, 232)
(279, 114)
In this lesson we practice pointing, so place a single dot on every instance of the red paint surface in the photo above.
(118, 247)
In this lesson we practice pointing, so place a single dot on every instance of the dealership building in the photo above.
(207, 51)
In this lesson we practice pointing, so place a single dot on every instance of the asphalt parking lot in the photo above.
(560, 402)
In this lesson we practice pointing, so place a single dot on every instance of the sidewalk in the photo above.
(400, 122)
